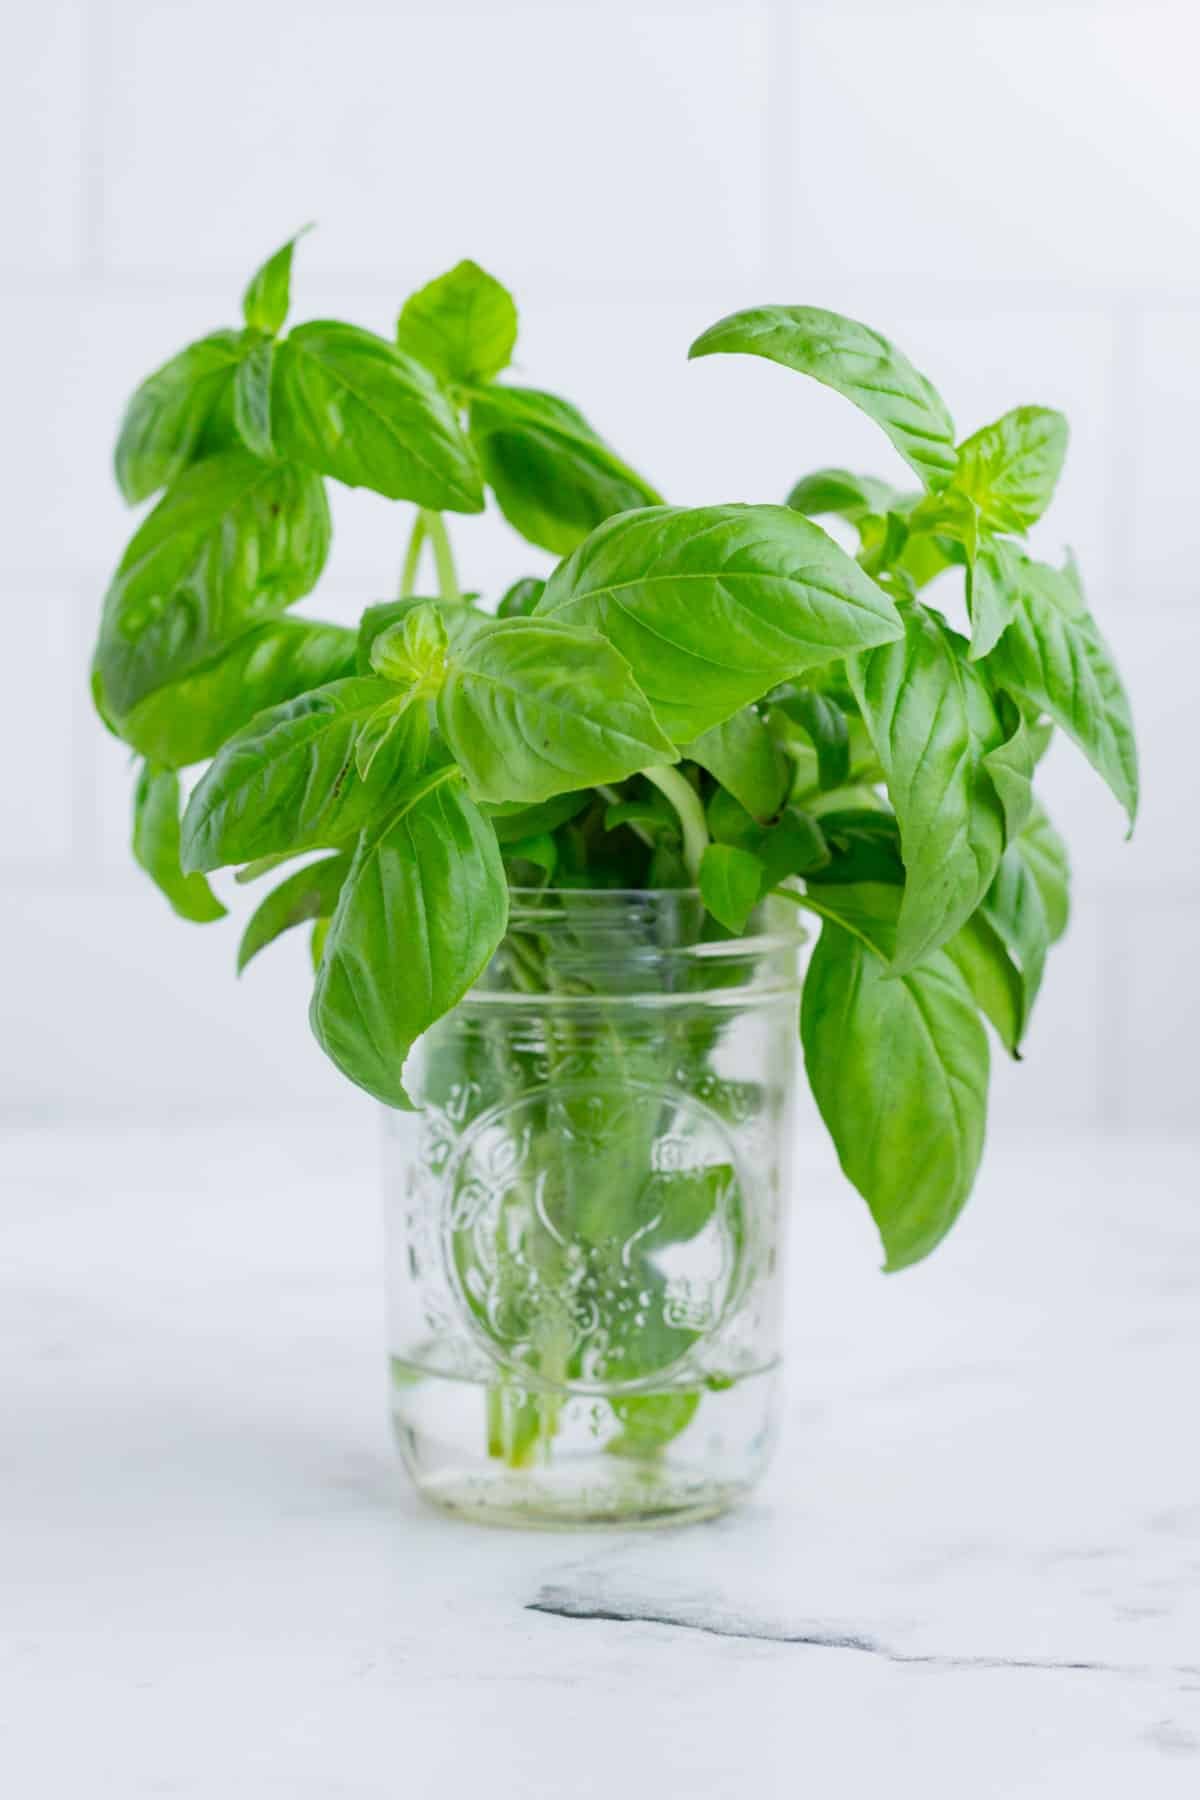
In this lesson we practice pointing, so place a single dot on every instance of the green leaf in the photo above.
(650, 1421)
(234, 542)
(859, 364)
(289, 781)
(899, 1069)
(1010, 766)
(386, 613)
(744, 757)
(403, 724)
(1024, 912)
(1010, 469)
(792, 844)
(252, 397)
(1015, 911)
(838, 494)
(463, 326)
(311, 893)
(513, 821)
(990, 595)
(715, 605)
(541, 851)
(534, 707)
(864, 846)
(521, 599)
(188, 721)
(1053, 656)
(978, 953)
(730, 884)
(554, 478)
(165, 422)
(353, 406)
(933, 721)
(265, 302)
(1046, 855)
(824, 724)
(420, 916)
(414, 651)
(156, 846)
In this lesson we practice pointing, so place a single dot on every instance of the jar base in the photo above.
(576, 1467)
(521, 1501)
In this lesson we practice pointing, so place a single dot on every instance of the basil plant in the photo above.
(721, 697)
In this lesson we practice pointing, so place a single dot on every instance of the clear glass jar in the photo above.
(584, 1218)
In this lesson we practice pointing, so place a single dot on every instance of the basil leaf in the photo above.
(979, 954)
(990, 595)
(520, 600)
(189, 721)
(899, 1070)
(864, 846)
(1046, 856)
(421, 914)
(1024, 912)
(744, 757)
(1011, 468)
(266, 300)
(1015, 911)
(856, 362)
(463, 326)
(234, 541)
(839, 494)
(824, 724)
(156, 846)
(401, 723)
(532, 708)
(289, 782)
(715, 605)
(650, 1421)
(165, 421)
(933, 721)
(513, 821)
(353, 406)
(311, 893)
(793, 844)
(252, 397)
(1053, 656)
(541, 851)
(553, 477)
(386, 613)
(1010, 767)
(730, 883)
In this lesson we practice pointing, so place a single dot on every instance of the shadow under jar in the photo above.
(584, 1218)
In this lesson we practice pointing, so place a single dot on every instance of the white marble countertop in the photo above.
(974, 1570)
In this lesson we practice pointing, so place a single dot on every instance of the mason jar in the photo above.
(585, 1215)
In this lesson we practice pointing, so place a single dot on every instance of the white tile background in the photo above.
(1011, 192)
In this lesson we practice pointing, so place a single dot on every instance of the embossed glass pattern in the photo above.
(584, 1217)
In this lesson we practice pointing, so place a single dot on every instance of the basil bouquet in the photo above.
(720, 697)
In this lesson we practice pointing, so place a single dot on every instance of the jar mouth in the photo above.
(582, 945)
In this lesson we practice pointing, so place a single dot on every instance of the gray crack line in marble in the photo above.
(557, 1603)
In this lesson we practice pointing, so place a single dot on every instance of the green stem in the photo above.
(412, 557)
(443, 556)
(686, 801)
